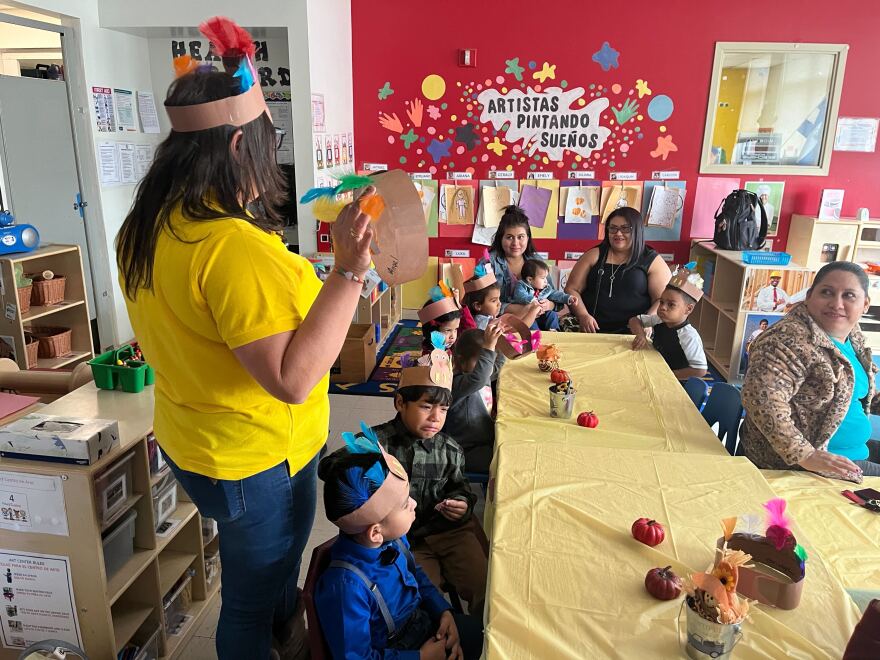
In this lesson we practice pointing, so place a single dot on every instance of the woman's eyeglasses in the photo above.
(620, 229)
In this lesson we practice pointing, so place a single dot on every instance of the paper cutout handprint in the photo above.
(414, 112)
(391, 122)
(627, 112)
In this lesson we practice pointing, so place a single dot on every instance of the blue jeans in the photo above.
(548, 321)
(264, 522)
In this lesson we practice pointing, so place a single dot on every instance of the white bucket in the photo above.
(705, 639)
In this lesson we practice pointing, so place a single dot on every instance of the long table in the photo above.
(566, 578)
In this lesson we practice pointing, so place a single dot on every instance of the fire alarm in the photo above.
(467, 57)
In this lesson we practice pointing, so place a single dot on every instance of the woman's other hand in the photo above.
(832, 465)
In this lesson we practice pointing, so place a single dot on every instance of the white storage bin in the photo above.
(113, 487)
(119, 544)
(164, 499)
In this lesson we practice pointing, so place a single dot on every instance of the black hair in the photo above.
(688, 298)
(844, 266)
(531, 267)
(436, 396)
(471, 298)
(513, 216)
(764, 321)
(434, 324)
(634, 218)
(469, 345)
(196, 170)
(333, 470)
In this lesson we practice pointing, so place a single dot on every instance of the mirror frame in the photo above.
(724, 47)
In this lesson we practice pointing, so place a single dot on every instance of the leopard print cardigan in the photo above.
(797, 390)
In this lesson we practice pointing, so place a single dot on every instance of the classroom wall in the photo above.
(669, 45)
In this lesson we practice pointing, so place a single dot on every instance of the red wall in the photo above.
(669, 44)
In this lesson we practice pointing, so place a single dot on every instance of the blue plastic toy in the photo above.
(16, 238)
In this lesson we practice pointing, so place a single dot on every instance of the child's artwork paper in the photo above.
(711, 191)
(427, 191)
(656, 232)
(493, 202)
(665, 204)
(535, 201)
(832, 202)
(442, 213)
(616, 195)
(459, 205)
(582, 203)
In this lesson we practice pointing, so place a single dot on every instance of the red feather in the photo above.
(229, 38)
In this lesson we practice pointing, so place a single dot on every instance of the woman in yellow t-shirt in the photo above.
(241, 334)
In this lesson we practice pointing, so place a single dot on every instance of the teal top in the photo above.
(851, 437)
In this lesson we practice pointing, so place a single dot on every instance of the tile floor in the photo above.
(345, 414)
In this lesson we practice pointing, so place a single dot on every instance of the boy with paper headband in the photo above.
(448, 542)
(374, 600)
(674, 337)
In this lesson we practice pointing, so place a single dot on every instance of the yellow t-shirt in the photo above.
(226, 284)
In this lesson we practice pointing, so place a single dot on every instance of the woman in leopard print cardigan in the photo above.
(801, 385)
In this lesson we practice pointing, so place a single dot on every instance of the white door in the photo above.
(42, 187)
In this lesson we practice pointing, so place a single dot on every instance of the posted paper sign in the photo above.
(856, 134)
(126, 120)
(32, 503)
(147, 111)
(38, 601)
(105, 115)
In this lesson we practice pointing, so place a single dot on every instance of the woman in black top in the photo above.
(618, 279)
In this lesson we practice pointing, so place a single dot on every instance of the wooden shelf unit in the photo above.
(382, 313)
(719, 316)
(111, 611)
(73, 313)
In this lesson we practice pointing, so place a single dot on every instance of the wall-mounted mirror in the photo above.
(773, 108)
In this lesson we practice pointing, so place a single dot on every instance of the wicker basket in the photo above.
(48, 292)
(31, 347)
(24, 299)
(54, 342)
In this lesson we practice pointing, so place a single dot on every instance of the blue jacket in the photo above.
(524, 293)
(350, 618)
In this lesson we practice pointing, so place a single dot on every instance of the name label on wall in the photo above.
(542, 176)
(458, 253)
(375, 167)
(624, 176)
(501, 174)
(582, 174)
(461, 176)
(665, 175)
(573, 255)
(421, 176)
(544, 255)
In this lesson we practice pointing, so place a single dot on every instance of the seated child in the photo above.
(448, 542)
(439, 314)
(366, 495)
(674, 338)
(533, 285)
(469, 420)
(483, 295)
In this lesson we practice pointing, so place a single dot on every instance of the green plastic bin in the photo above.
(131, 377)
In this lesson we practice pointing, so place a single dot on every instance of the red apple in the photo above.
(588, 420)
(648, 531)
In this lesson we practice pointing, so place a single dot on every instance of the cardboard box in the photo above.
(58, 439)
(357, 359)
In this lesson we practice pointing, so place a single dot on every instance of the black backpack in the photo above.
(736, 227)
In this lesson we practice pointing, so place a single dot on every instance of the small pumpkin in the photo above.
(588, 420)
(559, 376)
(663, 584)
(648, 531)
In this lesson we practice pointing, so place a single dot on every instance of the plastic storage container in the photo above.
(144, 645)
(209, 530)
(164, 498)
(155, 456)
(131, 376)
(212, 568)
(759, 258)
(112, 488)
(176, 602)
(119, 544)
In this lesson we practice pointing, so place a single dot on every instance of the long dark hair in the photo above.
(198, 171)
(634, 218)
(513, 216)
(844, 266)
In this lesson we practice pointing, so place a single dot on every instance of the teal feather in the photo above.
(438, 339)
(480, 270)
(315, 193)
(369, 434)
(691, 265)
(436, 293)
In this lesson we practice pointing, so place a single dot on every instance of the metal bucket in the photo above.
(707, 639)
(561, 403)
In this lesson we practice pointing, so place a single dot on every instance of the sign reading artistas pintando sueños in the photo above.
(545, 121)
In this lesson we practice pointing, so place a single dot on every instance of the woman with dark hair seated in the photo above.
(620, 278)
(810, 383)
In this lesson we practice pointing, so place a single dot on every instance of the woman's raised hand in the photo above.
(352, 235)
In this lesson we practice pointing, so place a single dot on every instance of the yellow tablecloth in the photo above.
(566, 578)
(640, 404)
(848, 536)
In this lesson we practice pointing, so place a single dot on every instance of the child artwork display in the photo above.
(666, 203)
(770, 194)
(755, 325)
(711, 191)
(459, 205)
(662, 233)
(535, 201)
(581, 204)
(616, 195)
(427, 191)
(492, 203)
(774, 289)
(832, 203)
